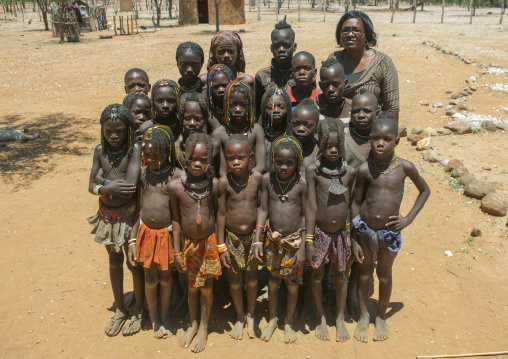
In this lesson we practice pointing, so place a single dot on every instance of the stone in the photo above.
(494, 204)
(443, 131)
(453, 164)
(502, 126)
(444, 162)
(478, 189)
(424, 103)
(448, 91)
(456, 101)
(438, 47)
(451, 111)
(465, 179)
(438, 104)
(473, 88)
(459, 127)
(431, 131)
(464, 93)
(417, 130)
(456, 96)
(476, 232)
(486, 168)
(459, 171)
(423, 144)
(489, 125)
(471, 79)
(402, 131)
(430, 156)
(493, 64)
(462, 106)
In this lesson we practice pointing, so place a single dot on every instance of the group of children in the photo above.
(207, 174)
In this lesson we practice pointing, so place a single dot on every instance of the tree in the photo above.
(43, 5)
(217, 3)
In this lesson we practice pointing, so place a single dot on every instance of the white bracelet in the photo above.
(132, 240)
(257, 243)
(132, 244)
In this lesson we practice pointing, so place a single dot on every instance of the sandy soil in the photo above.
(56, 293)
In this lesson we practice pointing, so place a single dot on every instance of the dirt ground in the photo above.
(56, 293)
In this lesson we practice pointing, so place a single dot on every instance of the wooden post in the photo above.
(502, 12)
(277, 17)
(324, 10)
(132, 24)
(472, 12)
(259, 12)
(13, 6)
(442, 11)
(114, 24)
(414, 13)
(127, 20)
(393, 12)
(299, 10)
(137, 30)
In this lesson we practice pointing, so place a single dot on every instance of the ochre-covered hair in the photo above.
(330, 125)
(239, 87)
(190, 145)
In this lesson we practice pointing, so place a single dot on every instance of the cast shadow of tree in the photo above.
(24, 162)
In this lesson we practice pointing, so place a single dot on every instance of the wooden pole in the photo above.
(114, 24)
(472, 12)
(137, 30)
(414, 13)
(393, 12)
(259, 12)
(442, 11)
(127, 20)
(502, 12)
(299, 10)
(461, 355)
(324, 10)
(13, 4)
(132, 24)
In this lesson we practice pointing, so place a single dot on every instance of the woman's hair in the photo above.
(191, 47)
(290, 143)
(330, 125)
(193, 97)
(370, 35)
(116, 112)
(239, 87)
(165, 82)
(134, 96)
(161, 138)
(268, 98)
(215, 70)
(192, 141)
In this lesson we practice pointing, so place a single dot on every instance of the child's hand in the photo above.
(225, 260)
(257, 253)
(121, 188)
(179, 264)
(131, 255)
(357, 251)
(348, 248)
(299, 258)
(310, 254)
(397, 223)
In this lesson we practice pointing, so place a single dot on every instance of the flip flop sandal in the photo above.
(134, 319)
(121, 321)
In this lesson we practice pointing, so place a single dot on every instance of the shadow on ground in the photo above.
(61, 134)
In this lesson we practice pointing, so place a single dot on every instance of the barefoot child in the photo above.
(279, 72)
(193, 201)
(377, 221)
(239, 194)
(193, 114)
(329, 183)
(140, 106)
(283, 202)
(239, 118)
(166, 100)
(189, 60)
(303, 70)
(151, 247)
(218, 79)
(118, 156)
(303, 127)
(136, 80)
(226, 48)
(331, 103)
(275, 118)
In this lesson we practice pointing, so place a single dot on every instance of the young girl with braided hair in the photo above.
(193, 201)
(275, 117)
(189, 60)
(150, 246)
(239, 118)
(329, 182)
(283, 203)
(141, 109)
(118, 156)
(166, 101)
(218, 79)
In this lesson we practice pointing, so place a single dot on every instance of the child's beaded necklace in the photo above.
(240, 185)
(283, 196)
(154, 174)
(336, 186)
(190, 186)
(385, 172)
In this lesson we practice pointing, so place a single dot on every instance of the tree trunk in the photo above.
(472, 12)
(217, 3)
(502, 12)
(170, 6)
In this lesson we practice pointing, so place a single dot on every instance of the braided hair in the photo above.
(265, 121)
(191, 47)
(116, 112)
(290, 143)
(134, 96)
(215, 70)
(239, 87)
(170, 83)
(161, 138)
(330, 125)
(190, 145)
(193, 97)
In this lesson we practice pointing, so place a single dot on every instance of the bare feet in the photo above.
(116, 323)
(134, 325)
(168, 327)
(381, 332)
(266, 334)
(289, 334)
(362, 329)
(321, 329)
(158, 328)
(342, 333)
(185, 341)
(237, 331)
(352, 304)
(200, 343)
(250, 326)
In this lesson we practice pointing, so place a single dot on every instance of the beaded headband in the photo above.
(114, 114)
(286, 138)
(165, 82)
(211, 73)
(148, 138)
(249, 116)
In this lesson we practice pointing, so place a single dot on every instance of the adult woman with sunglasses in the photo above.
(365, 67)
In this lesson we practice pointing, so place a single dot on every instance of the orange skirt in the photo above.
(154, 246)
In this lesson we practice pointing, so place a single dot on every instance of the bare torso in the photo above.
(118, 172)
